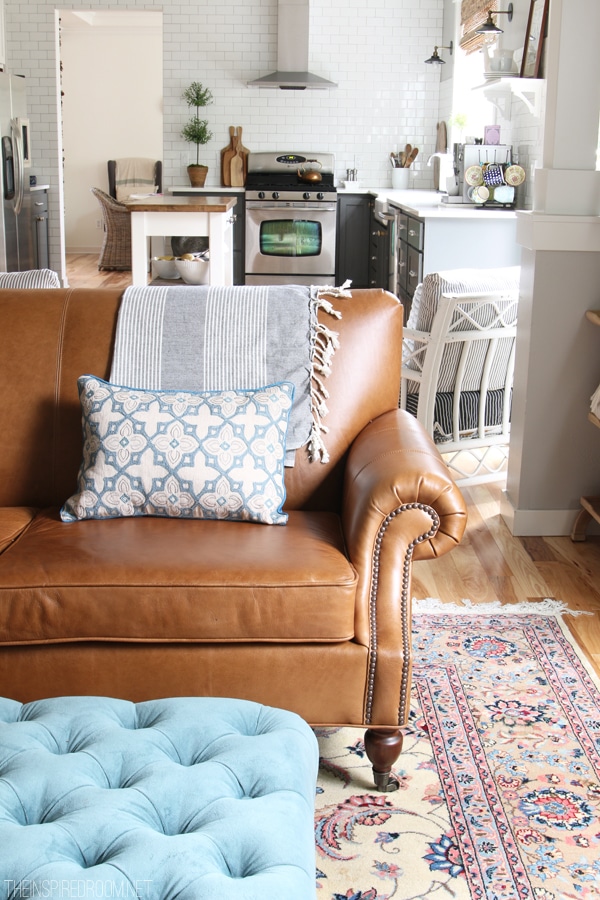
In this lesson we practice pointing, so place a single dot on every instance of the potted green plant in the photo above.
(196, 130)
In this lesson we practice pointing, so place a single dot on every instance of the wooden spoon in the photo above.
(412, 156)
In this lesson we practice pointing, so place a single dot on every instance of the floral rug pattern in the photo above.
(499, 777)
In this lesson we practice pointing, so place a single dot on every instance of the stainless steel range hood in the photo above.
(292, 51)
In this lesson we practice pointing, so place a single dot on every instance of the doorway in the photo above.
(111, 107)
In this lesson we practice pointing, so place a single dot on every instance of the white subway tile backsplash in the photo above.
(374, 50)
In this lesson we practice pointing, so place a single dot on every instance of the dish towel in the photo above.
(204, 338)
(134, 174)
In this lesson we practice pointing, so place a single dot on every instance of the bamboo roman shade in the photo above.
(473, 13)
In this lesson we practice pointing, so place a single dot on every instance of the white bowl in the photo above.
(193, 271)
(165, 268)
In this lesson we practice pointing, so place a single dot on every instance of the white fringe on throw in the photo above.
(342, 291)
(325, 344)
(547, 607)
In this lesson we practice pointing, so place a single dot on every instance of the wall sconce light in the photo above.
(436, 58)
(489, 26)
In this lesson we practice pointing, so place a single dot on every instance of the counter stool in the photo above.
(188, 798)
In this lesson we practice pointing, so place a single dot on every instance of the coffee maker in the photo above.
(466, 155)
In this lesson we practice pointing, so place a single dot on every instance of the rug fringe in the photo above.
(546, 607)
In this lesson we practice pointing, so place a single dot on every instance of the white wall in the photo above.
(117, 114)
(555, 451)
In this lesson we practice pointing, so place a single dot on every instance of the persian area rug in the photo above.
(499, 776)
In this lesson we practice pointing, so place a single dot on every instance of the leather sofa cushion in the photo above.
(13, 519)
(151, 579)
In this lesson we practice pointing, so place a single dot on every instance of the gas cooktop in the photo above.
(284, 176)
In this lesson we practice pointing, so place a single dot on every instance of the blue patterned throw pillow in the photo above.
(193, 455)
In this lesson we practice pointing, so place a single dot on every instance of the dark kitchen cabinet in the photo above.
(379, 251)
(353, 242)
(239, 229)
(39, 212)
(239, 239)
(411, 245)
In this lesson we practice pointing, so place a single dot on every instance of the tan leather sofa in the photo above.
(313, 616)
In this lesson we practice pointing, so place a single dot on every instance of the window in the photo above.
(472, 14)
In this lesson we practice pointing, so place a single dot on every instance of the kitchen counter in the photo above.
(204, 190)
(430, 236)
(159, 203)
(421, 203)
(428, 204)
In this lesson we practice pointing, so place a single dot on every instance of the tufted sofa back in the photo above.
(51, 337)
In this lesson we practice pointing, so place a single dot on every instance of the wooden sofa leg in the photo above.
(383, 749)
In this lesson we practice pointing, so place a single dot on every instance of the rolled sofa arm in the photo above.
(400, 503)
(392, 463)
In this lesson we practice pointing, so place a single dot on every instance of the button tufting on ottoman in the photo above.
(186, 798)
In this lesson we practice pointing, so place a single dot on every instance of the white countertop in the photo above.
(428, 204)
(424, 204)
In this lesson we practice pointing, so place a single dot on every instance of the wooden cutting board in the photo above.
(237, 165)
(227, 154)
(243, 151)
(234, 159)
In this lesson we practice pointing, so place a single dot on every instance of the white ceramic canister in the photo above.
(400, 179)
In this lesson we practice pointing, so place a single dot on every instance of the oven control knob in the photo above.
(320, 196)
(261, 195)
(275, 195)
(306, 195)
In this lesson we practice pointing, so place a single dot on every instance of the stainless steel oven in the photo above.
(291, 216)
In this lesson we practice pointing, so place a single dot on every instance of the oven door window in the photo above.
(291, 237)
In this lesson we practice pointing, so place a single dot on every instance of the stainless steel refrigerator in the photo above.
(16, 220)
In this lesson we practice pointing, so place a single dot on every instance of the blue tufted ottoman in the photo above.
(187, 798)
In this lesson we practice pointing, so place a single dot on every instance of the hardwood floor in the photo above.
(489, 564)
(82, 271)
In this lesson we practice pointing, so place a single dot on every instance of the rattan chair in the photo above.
(116, 248)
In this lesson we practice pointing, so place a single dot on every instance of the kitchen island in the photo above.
(239, 223)
(197, 216)
(424, 235)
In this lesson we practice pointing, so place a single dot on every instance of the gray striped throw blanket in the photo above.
(224, 338)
